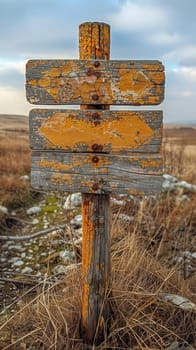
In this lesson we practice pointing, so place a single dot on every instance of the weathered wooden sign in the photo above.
(96, 131)
(118, 133)
(95, 82)
(96, 152)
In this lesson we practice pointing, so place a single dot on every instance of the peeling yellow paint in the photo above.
(54, 165)
(135, 192)
(62, 179)
(77, 82)
(88, 230)
(157, 77)
(151, 163)
(68, 132)
(134, 81)
(44, 82)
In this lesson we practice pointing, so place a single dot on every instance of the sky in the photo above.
(163, 30)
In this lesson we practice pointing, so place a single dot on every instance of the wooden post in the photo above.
(94, 43)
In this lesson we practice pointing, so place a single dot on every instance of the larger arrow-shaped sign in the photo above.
(96, 131)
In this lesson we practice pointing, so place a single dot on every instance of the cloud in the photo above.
(13, 101)
(12, 73)
(138, 17)
(184, 55)
(166, 39)
(150, 29)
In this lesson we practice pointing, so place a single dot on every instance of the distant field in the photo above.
(181, 134)
(13, 122)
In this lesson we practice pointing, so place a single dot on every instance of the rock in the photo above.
(18, 263)
(35, 222)
(13, 260)
(77, 221)
(59, 269)
(27, 269)
(187, 186)
(179, 301)
(183, 198)
(66, 255)
(3, 260)
(117, 201)
(15, 247)
(78, 241)
(126, 218)
(33, 210)
(43, 254)
(29, 257)
(38, 274)
(72, 201)
(3, 209)
(169, 182)
(24, 177)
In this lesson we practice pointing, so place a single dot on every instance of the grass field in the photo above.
(148, 260)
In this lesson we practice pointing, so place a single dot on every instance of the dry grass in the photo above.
(14, 162)
(180, 153)
(139, 319)
(143, 268)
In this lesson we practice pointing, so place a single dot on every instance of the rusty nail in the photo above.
(97, 122)
(96, 64)
(95, 97)
(95, 147)
(95, 159)
(89, 72)
(95, 115)
(95, 187)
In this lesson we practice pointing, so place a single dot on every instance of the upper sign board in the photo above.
(95, 82)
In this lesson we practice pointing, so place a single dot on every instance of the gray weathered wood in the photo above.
(96, 173)
(96, 264)
(82, 131)
(94, 42)
(94, 82)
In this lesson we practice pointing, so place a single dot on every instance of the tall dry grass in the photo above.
(139, 317)
(179, 148)
(14, 163)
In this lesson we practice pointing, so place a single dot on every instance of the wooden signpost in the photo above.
(94, 150)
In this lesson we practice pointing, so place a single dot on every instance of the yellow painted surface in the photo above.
(151, 163)
(62, 178)
(70, 132)
(56, 166)
(94, 41)
(77, 162)
(67, 83)
(134, 81)
(88, 229)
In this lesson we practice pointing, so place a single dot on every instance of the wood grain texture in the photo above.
(95, 264)
(96, 173)
(96, 131)
(94, 82)
(94, 42)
